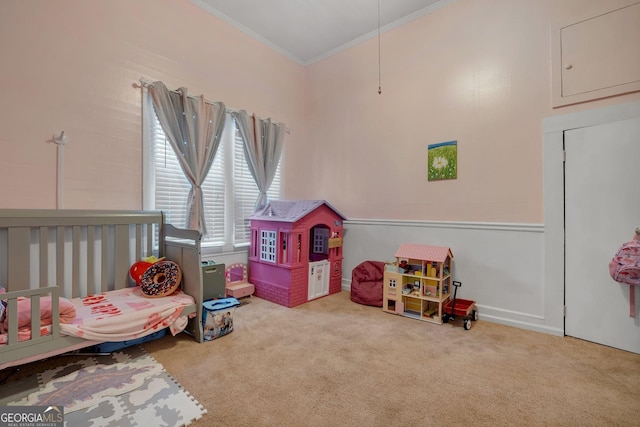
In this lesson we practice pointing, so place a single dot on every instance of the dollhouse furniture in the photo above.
(296, 251)
(418, 283)
(366, 283)
(238, 285)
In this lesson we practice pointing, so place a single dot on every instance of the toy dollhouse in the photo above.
(296, 251)
(418, 284)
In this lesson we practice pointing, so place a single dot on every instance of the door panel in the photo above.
(318, 279)
(602, 210)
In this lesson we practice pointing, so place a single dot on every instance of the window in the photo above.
(245, 191)
(320, 240)
(229, 191)
(268, 246)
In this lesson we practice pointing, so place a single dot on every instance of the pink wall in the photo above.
(475, 71)
(70, 65)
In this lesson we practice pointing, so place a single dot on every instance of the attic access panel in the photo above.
(597, 57)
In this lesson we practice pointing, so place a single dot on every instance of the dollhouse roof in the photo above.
(424, 252)
(290, 210)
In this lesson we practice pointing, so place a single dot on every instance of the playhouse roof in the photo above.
(424, 252)
(290, 210)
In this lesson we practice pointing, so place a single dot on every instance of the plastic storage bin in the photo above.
(217, 317)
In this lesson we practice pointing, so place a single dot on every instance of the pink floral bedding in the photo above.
(118, 315)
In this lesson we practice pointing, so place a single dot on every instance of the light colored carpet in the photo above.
(332, 362)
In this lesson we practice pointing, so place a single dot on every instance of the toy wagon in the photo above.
(463, 308)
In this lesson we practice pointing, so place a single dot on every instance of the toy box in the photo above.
(217, 317)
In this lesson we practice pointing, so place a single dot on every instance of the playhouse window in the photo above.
(268, 246)
(392, 283)
(320, 240)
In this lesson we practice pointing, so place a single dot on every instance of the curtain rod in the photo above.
(145, 83)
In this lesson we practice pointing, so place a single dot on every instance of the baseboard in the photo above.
(522, 325)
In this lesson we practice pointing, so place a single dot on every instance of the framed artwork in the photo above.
(442, 161)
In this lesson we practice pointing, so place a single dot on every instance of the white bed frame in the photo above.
(74, 253)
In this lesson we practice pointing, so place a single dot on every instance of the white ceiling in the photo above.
(309, 30)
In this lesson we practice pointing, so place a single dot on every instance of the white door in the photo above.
(602, 210)
(318, 279)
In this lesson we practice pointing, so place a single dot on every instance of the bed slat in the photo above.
(75, 261)
(18, 256)
(139, 242)
(44, 254)
(91, 256)
(121, 254)
(59, 258)
(104, 273)
(35, 313)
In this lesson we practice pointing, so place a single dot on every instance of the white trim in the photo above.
(522, 325)
(594, 117)
(535, 228)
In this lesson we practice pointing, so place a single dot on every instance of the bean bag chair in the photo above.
(366, 283)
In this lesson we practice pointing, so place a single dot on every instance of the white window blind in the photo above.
(246, 192)
(172, 188)
(229, 191)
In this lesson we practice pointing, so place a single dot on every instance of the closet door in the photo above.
(602, 210)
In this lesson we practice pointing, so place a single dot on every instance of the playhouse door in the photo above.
(318, 279)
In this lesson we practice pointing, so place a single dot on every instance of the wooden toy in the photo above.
(418, 283)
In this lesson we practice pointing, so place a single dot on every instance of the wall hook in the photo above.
(60, 139)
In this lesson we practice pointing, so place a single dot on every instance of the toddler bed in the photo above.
(67, 282)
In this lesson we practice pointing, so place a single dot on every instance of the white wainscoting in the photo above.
(501, 266)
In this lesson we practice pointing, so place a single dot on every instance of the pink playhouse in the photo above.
(296, 251)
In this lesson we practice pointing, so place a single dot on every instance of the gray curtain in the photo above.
(263, 140)
(193, 127)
